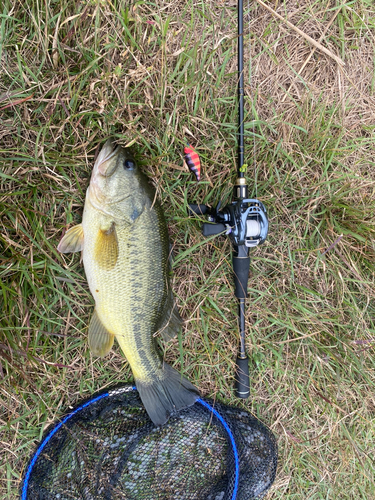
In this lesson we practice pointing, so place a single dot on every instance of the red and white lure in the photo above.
(193, 162)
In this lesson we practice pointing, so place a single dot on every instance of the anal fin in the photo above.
(100, 339)
(171, 320)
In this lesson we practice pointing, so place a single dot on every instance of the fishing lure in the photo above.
(193, 161)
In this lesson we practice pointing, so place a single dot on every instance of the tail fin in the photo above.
(165, 394)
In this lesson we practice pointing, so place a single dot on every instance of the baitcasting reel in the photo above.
(244, 220)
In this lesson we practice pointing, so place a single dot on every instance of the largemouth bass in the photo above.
(125, 251)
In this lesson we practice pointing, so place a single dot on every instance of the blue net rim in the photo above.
(117, 391)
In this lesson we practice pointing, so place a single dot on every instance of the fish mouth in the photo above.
(104, 164)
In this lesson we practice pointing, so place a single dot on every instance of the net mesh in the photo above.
(109, 449)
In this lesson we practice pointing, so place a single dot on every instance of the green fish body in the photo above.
(125, 250)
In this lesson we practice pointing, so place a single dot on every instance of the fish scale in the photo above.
(129, 295)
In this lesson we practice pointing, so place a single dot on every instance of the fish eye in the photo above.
(129, 165)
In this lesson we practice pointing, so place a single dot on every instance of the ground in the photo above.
(156, 75)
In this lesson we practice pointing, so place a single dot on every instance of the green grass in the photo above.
(158, 74)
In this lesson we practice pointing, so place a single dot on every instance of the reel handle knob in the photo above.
(242, 384)
(197, 209)
(211, 229)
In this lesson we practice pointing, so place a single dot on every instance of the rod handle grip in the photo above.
(241, 267)
(242, 384)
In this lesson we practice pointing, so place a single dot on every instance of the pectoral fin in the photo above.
(100, 339)
(72, 241)
(106, 248)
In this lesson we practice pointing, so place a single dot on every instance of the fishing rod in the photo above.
(244, 220)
